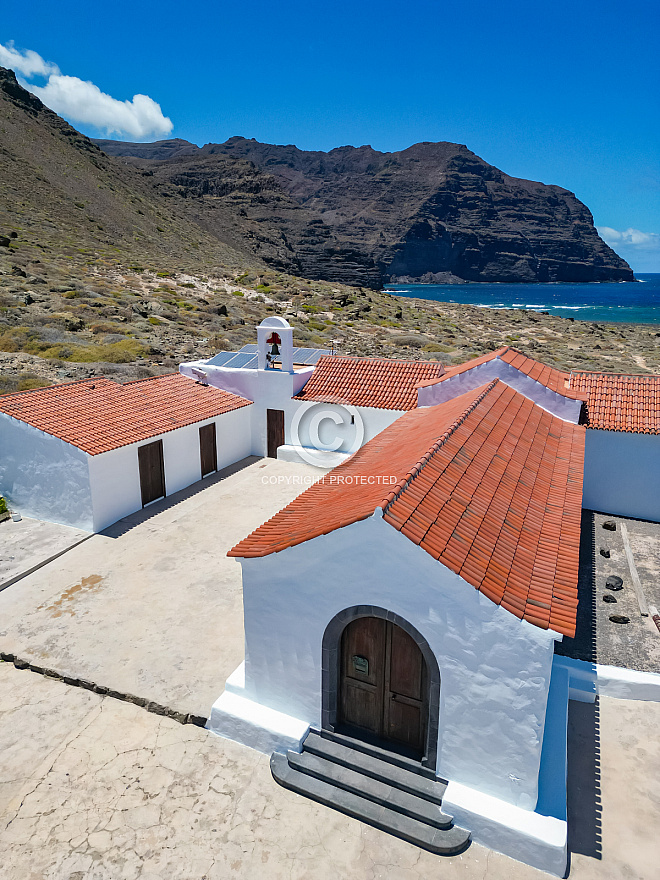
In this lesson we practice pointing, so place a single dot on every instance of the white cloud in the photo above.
(27, 63)
(84, 102)
(648, 241)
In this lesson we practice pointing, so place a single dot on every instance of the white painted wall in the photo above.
(622, 473)
(115, 476)
(42, 476)
(453, 386)
(115, 485)
(495, 669)
(335, 424)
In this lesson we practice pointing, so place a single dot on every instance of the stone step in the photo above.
(375, 751)
(436, 840)
(369, 788)
(368, 764)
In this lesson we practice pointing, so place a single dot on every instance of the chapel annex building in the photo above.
(401, 614)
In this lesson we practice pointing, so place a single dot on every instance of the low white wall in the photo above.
(44, 477)
(334, 424)
(495, 669)
(115, 475)
(453, 386)
(587, 680)
(622, 473)
(252, 384)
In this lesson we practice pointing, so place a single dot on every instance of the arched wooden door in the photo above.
(383, 683)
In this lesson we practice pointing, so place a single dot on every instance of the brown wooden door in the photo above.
(274, 430)
(208, 451)
(383, 682)
(152, 472)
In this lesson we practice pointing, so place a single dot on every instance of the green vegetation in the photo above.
(154, 321)
(28, 340)
(3, 506)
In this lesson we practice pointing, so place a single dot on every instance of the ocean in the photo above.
(623, 302)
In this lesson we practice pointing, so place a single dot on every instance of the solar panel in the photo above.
(240, 359)
(247, 359)
(221, 358)
(312, 355)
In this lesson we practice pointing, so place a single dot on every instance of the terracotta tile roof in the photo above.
(489, 484)
(98, 415)
(620, 403)
(376, 382)
(551, 378)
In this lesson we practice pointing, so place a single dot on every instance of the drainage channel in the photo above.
(103, 691)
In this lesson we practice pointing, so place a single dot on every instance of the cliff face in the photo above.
(439, 208)
(433, 212)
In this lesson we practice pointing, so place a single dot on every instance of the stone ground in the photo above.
(635, 645)
(30, 542)
(97, 789)
(93, 788)
(153, 606)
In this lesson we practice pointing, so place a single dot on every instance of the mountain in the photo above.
(124, 266)
(432, 212)
(61, 193)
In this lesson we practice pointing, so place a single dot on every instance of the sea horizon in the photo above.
(626, 302)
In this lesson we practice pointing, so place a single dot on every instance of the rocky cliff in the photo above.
(433, 212)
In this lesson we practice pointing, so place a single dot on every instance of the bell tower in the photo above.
(275, 344)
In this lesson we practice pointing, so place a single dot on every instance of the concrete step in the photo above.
(436, 840)
(368, 764)
(367, 787)
(375, 751)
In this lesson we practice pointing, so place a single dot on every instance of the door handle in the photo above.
(393, 697)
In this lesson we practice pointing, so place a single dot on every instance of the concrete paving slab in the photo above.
(29, 543)
(152, 606)
(107, 791)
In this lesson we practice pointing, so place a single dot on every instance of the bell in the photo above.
(275, 351)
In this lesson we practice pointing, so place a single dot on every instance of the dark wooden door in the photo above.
(152, 471)
(274, 430)
(383, 682)
(208, 451)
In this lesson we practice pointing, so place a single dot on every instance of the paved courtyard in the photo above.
(152, 606)
(94, 788)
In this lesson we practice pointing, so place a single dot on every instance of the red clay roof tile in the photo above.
(620, 403)
(375, 382)
(482, 485)
(98, 415)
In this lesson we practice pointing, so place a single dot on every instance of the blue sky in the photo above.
(564, 92)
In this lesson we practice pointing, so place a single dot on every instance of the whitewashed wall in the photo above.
(622, 473)
(372, 420)
(42, 476)
(115, 476)
(495, 669)
(453, 386)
